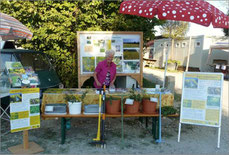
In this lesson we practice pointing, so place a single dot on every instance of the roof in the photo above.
(225, 46)
(150, 43)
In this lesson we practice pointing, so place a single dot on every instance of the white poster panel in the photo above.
(201, 102)
(201, 98)
(24, 109)
(94, 46)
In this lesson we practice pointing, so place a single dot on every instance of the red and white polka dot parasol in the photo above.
(196, 11)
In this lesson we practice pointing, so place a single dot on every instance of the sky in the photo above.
(196, 29)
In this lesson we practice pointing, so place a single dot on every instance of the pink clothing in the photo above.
(102, 69)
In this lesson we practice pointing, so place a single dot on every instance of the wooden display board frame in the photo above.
(82, 77)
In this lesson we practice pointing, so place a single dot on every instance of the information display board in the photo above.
(24, 109)
(201, 102)
(201, 98)
(92, 46)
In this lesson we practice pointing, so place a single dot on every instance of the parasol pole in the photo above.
(166, 58)
(189, 51)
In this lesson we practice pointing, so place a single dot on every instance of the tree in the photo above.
(54, 25)
(175, 30)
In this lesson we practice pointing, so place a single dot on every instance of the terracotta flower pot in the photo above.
(113, 106)
(148, 107)
(132, 109)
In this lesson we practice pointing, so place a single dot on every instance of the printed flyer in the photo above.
(201, 98)
(24, 109)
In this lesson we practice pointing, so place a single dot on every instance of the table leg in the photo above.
(155, 127)
(63, 130)
(146, 118)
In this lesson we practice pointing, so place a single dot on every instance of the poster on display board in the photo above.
(201, 102)
(24, 109)
(126, 46)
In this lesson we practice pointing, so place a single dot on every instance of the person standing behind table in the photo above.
(105, 71)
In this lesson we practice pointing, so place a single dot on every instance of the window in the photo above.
(36, 60)
(6, 57)
(184, 44)
(197, 44)
(177, 45)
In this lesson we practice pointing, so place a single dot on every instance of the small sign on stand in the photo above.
(25, 115)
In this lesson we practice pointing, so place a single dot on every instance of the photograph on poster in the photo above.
(131, 43)
(34, 101)
(88, 48)
(117, 48)
(14, 98)
(187, 103)
(98, 59)
(34, 109)
(131, 67)
(96, 42)
(213, 101)
(88, 64)
(101, 43)
(130, 54)
(89, 42)
(118, 61)
(214, 90)
(191, 82)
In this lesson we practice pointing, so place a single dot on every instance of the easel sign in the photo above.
(201, 102)
(24, 109)
(25, 115)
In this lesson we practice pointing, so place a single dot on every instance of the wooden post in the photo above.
(26, 139)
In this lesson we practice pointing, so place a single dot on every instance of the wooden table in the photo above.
(57, 96)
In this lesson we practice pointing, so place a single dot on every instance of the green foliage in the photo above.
(135, 96)
(148, 84)
(174, 29)
(75, 98)
(177, 62)
(131, 55)
(168, 110)
(54, 25)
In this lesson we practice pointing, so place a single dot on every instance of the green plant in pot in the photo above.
(149, 103)
(133, 108)
(75, 102)
(113, 105)
(173, 64)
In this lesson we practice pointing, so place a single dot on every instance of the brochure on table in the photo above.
(21, 76)
(24, 109)
(126, 47)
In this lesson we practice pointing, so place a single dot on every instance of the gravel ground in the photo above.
(137, 137)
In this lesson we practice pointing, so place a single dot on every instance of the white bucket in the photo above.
(74, 107)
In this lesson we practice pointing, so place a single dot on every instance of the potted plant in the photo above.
(113, 105)
(148, 103)
(75, 102)
(134, 107)
(173, 64)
